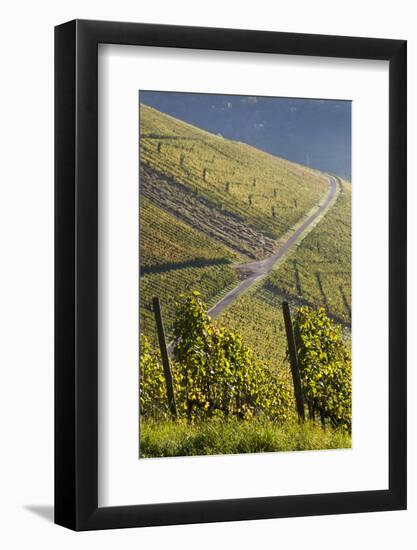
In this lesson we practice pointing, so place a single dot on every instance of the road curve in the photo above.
(261, 268)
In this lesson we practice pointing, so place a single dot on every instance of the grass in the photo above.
(232, 436)
(205, 216)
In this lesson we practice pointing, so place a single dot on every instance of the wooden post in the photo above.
(323, 419)
(298, 392)
(164, 356)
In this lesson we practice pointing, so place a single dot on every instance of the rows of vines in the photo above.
(216, 375)
(325, 367)
(242, 180)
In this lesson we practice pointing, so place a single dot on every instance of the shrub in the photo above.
(218, 374)
(214, 373)
(325, 366)
(152, 395)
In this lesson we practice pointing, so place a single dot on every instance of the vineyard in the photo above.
(204, 216)
(175, 258)
(212, 281)
(219, 384)
(318, 272)
(166, 242)
(208, 203)
(212, 210)
(268, 194)
(257, 316)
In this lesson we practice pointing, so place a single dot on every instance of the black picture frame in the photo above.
(76, 272)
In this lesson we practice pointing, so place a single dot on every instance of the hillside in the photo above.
(175, 258)
(251, 192)
(316, 273)
(227, 233)
(207, 204)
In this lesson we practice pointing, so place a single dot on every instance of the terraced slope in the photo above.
(168, 243)
(208, 203)
(317, 272)
(204, 215)
(247, 188)
(174, 259)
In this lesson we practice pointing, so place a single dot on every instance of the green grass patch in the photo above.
(233, 436)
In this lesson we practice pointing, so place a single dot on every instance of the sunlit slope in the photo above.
(166, 242)
(317, 272)
(174, 259)
(259, 195)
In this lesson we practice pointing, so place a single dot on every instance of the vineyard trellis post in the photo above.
(292, 350)
(323, 419)
(164, 356)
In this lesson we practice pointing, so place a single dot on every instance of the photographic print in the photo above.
(245, 274)
(203, 266)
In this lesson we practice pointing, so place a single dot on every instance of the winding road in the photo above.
(257, 270)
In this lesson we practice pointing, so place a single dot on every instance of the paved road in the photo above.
(259, 269)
